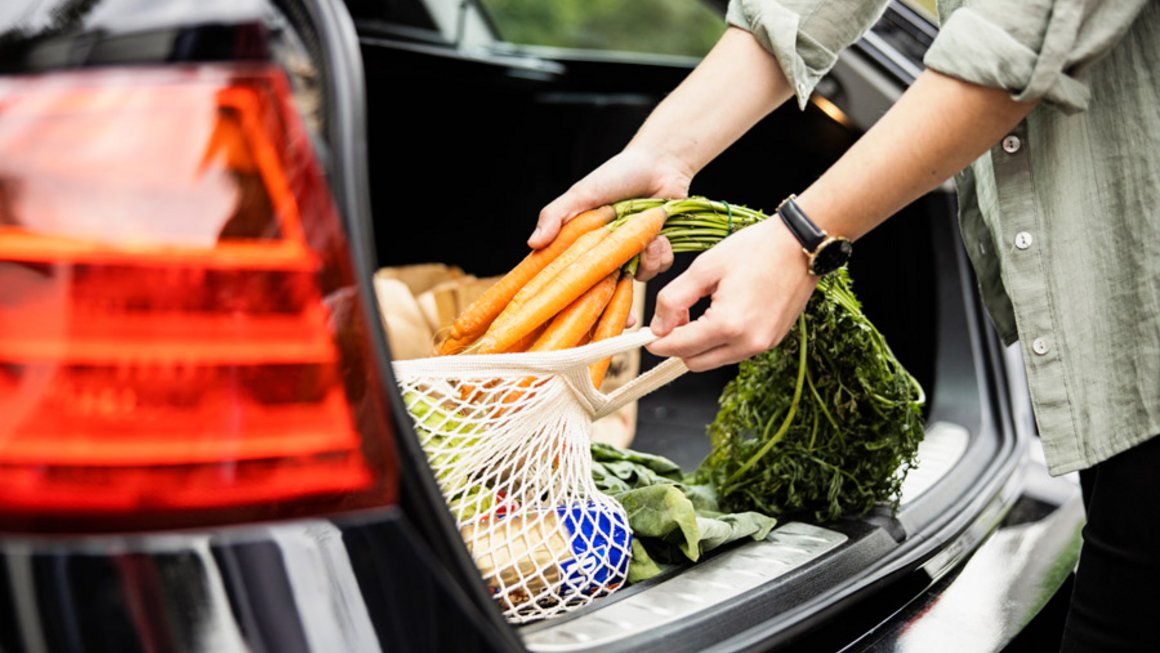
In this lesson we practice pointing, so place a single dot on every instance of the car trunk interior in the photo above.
(464, 154)
(465, 148)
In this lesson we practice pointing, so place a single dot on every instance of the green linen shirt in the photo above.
(1060, 218)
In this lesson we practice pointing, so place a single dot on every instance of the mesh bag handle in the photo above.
(569, 364)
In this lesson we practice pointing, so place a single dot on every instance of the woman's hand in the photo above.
(758, 282)
(635, 172)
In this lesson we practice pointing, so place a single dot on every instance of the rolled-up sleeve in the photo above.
(1036, 49)
(805, 36)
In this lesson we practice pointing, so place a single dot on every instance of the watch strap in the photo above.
(799, 224)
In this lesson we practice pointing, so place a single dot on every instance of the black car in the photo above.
(201, 444)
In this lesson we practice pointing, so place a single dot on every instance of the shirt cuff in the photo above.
(802, 59)
(975, 49)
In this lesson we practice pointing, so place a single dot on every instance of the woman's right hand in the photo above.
(634, 172)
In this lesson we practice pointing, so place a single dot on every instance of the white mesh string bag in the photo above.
(507, 437)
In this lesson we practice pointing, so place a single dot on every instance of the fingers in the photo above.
(735, 327)
(715, 329)
(711, 341)
(554, 215)
(758, 284)
(655, 259)
(631, 173)
(711, 358)
(601, 186)
(675, 299)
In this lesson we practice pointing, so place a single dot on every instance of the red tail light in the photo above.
(180, 339)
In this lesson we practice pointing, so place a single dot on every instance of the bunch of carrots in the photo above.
(579, 288)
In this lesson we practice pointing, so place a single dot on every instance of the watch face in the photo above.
(832, 255)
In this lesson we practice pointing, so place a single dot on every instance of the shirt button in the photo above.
(1011, 144)
(1040, 346)
(1023, 240)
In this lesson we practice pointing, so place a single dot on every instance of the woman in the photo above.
(1055, 107)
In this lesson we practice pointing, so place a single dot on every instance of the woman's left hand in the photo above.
(758, 284)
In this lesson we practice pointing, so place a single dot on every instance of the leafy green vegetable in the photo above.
(672, 521)
(828, 423)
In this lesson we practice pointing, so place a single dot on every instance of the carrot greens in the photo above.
(826, 424)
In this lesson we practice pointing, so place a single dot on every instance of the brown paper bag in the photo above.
(411, 325)
(443, 302)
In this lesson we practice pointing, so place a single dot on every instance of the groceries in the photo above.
(505, 414)
(418, 301)
(507, 438)
(551, 555)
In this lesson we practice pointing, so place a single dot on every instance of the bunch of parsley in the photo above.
(826, 424)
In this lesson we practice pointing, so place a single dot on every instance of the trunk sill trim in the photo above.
(701, 587)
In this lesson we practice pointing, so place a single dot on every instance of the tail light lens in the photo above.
(181, 340)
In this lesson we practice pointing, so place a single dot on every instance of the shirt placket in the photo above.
(1022, 241)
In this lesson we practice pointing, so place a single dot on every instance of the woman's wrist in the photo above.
(818, 205)
(672, 174)
(669, 162)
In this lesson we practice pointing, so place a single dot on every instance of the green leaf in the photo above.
(722, 529)
(660, 465)
(642, 566)
(673, 521)
(826, 424)
(663, 511)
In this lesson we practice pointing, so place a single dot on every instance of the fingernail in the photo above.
(654, 248)
(535, 234)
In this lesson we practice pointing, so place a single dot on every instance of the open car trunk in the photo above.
(466, 145)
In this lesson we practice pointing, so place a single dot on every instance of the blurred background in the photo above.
(676, 27)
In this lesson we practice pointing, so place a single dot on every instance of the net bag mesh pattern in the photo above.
(507, 438)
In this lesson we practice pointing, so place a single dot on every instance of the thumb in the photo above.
(552, 216)
(675, 299)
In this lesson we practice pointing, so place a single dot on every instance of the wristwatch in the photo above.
(826, 253)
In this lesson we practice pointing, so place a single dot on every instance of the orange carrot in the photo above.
(535, 285)
(571, 257)
(571, 327)
(525, 343)
(446, 345)
(478, 316)
(572, 324)
(611, 324)
(626, 241)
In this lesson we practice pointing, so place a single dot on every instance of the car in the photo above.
(202, 447)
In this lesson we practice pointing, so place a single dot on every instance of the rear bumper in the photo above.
(995, 594)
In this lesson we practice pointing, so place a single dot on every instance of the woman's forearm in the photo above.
(936, 128)
(736, 85)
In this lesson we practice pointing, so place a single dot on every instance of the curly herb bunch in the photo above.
(827, 423)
